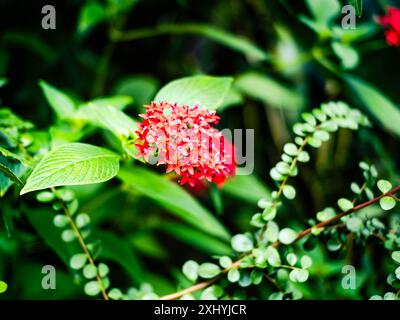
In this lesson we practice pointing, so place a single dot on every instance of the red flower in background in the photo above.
(183, 138)
(391, 22)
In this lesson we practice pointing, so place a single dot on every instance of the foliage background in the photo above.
(142, 239)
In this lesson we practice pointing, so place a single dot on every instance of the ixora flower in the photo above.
(391, 22)
(183, 138)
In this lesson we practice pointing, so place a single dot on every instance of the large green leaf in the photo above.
(268, 90)
(141, 88)
(42, 221)
(10, 171)
(324, 10)
(382, 108)
(196, 238)
(73, 164)
(118, 101)
(208, 91)
(172, 197)
(61, 103)
(119, 250)
(246, 187)
(108, 117)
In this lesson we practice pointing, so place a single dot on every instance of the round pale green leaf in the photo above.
(306, 262)
(60, 221)
(115, 294)
(273, 256)
(289, 192)
(3, 286)
(241, 243)
(355, 224)
(89, 271)
(396, 256)
(208, 270)
(387, 203)
(290, 149)
(345, 204)
(190, 269)
(384, 186)
(73, 164)
(287, 236)
(68, 235)
(272, 232)
(82, 220)
(92, 288)
(233, 275)
(303, 156)
(291, 259)
(78, 261)
(355, 188)
(298, 275)
(225, 262)
(45, 196)
(103, 270)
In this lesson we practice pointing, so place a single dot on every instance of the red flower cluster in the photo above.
(391, 22)
(182, 137)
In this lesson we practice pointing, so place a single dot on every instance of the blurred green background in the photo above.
(281, 66)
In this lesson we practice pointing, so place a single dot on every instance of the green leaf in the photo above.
(384, 186)
(196, 238)
(324, 11)
(246, 187)
(208, 270)
(387, 203)
(141, 88)
(287, 236)
(233, 275)
(345, 204)
(61, 103)
(190, 269)
(118, 249)
(269, 91)
(290, 149)
(42, 221)
(207, 91)
(225, 262)
(78, 261)
(289, 192)
(347, 54)
(383, 109)
(3, 81)
(3, 287)
(212, 293)
(89, 271)
(115, 294)
(92, 288)
(298, 275)
(241, 243)
(73, 164)
(108, 117)
(172, 197)
(306, 262)
(357, 4)
(396, 256)
(118, 102)
(91, 14)
(355, 224)
(291, 259)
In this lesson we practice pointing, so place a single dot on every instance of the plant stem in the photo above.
(277, 244)
(83, 246)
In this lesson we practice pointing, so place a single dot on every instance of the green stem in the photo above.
(83, 245)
